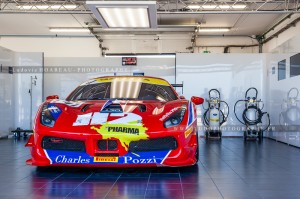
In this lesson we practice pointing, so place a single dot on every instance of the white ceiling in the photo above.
(16, 22)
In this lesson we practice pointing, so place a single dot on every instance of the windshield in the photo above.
(123, 90)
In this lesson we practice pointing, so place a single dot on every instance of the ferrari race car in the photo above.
(118, 121)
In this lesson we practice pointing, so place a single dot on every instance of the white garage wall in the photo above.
(289, 46)
(231, 74)
(277, 92)
(22, 84)
(89, 46)
(6, 93)
(283, 42)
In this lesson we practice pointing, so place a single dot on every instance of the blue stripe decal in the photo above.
(191, 114)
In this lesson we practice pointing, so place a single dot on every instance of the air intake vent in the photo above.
(158, 144)
(107, 145)
(55, 143)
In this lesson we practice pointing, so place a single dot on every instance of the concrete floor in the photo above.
(227, 169)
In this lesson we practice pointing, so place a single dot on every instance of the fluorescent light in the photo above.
(216, 6)
(69, 30)
(194, 7)
(125, 17)
(46, 7)
(241, 6)
(209, 6)
(224, 6)
(212, 29)
(124, 14)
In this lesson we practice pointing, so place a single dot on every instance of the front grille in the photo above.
(55, 143)
(107, 145)
(157, 144)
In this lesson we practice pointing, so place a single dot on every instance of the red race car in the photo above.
(122, 121)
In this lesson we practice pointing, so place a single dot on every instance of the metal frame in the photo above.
(164, 6)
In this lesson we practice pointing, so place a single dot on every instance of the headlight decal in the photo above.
(176, 118)
(50, 113)
(54, 110)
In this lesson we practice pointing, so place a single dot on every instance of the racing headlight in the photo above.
(176, 118)
(49, 114)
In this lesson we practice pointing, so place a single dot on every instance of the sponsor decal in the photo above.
(71, 160)
(132, 160)
(106, 159)
(126, 133)
(168, 114)
(69, 157)
(188, 132)
(123, 130)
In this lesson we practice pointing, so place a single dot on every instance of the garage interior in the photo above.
(50, 47)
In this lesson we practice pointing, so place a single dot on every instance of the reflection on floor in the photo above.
(227, 169)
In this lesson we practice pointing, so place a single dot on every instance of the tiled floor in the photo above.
(227, 169)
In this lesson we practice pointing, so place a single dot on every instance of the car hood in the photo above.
(98, 116)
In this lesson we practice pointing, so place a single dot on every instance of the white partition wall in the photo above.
(231, 74)
(283, 101)
(6, 92)
(62, 75)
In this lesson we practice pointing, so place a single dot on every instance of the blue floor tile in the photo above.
(227, 169)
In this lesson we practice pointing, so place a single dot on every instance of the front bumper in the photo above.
(150, 153)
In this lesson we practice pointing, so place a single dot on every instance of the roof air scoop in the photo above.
(112, 108)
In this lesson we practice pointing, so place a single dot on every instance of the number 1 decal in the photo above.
(102, 118)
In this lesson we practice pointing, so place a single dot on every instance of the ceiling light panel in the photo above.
(125, 17)
(124, 14)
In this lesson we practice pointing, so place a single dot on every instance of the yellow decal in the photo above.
(106, 159)
(103, 80)
(214, 120)
(155, 81)
(188, 132)
(124, 132)
(148, 80)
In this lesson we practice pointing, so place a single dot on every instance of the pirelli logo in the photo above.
(106, 159)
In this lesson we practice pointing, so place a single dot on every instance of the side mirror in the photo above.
(51, 97)
(181, 97)
(197, 100)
